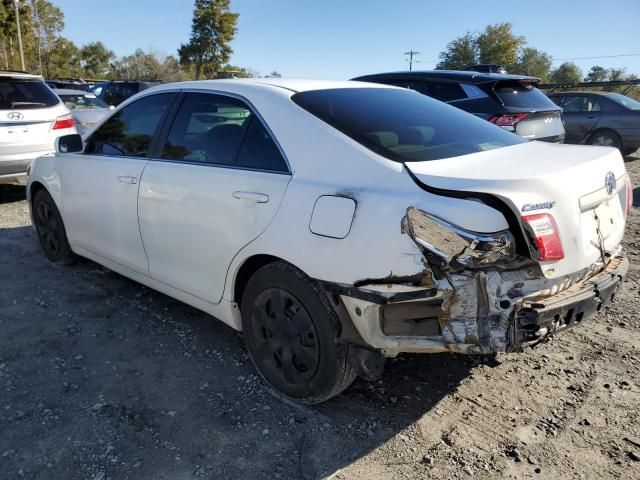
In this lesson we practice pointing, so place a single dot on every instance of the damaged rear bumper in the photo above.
(475, 313)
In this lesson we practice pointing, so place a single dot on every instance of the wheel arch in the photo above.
(245, 271)
(604, 129)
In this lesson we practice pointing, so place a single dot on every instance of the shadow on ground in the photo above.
(11, 193)
(103, 376)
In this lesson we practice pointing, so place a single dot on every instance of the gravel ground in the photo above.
(101, 378)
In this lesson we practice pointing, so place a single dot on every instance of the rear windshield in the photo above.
(404, 125)
(25, 94)
(624, 101)
(78, 101)
(523, 95)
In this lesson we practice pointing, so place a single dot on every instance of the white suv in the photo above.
(31, 118)
(339, 223)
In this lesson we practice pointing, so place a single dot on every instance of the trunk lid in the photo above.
(565, 181)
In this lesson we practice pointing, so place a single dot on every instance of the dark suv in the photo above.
(510, 101)
(117, 91)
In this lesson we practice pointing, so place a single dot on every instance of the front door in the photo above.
(581, 114)
(214, 187)
(100, 186)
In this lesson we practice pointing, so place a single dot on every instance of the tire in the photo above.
(606, 138)
(50, 230)
(291, 333)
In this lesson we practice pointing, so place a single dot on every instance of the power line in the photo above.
(601, 56)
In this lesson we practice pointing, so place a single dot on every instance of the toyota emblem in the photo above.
(610, 182)
(15, 116)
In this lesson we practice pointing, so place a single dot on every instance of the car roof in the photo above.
(17, 74)
(70, 91)
(459, 75)
(291, 84)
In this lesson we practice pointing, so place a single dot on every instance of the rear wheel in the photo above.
(606, 138)
(50, 230)
(291, 333)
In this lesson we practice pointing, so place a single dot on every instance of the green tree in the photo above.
(567, 73)
(63, 59)
(95, 60)
(597, 74)
(212, 29)
(9, 35)
(534, 62)
(498, 44)
(615, 74)
(460, 53)
(48, 23)
(274, 74)
(139, 66)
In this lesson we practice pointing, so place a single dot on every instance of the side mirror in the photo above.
(69, 144)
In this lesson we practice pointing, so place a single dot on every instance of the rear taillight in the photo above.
(545, 234)
(64, 121)
(629, 195)
(508, 119)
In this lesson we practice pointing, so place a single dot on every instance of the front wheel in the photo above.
(606, 138)
(291, 333)
(50, 230)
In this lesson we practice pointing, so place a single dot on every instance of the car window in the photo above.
(258, 149)
(445, 91)
(78, 101)
(129, 132)
(402, 125)
(625, 101)
(25, 94)
(208, 128)
(117, 93)
(522, 95)
(556, 99)
(579, 103)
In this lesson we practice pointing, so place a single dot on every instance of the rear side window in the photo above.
(25, 94)
(579, 103)
(208, 128)
(522, 95)
(259, 151)
(402, 125)
(129, 132)
(445, 91)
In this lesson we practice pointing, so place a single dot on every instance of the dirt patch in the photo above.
(101, 378)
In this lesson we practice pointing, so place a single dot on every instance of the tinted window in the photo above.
(522, 95)
(572, 104)
(208, 128)
(117, 93)
(259, 150)
(624, 101)
(445, 92)
(25, 94)
(403, 125)
(129, 132)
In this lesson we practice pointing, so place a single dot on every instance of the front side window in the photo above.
(129, 132)
(579, 103)
(25, 94)
(402, 125)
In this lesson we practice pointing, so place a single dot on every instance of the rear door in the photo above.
(211, 188)
(581, 114)
(100, 186)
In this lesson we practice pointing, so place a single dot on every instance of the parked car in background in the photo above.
(31, 118)
(600, 118)
(86, 108)
(70, 83)
(117, 91)
(339, 223)
(510, 101)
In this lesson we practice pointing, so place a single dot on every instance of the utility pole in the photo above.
(16, 3)
(411, 53)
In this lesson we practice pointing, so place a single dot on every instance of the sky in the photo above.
(336, 39)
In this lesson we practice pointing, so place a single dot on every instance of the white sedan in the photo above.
(339, 223)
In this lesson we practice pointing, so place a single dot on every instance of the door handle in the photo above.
(131, 180)
(252, 196)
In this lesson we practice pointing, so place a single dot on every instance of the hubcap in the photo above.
(47, 227)
(604, 140)
(285, 336)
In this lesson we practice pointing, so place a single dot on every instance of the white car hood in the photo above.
(565, 181)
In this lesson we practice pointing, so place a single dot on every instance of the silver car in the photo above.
(31, 118)
(86, 108)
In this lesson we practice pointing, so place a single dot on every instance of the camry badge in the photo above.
(15, 116)
(528, 207)
(610, 182)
